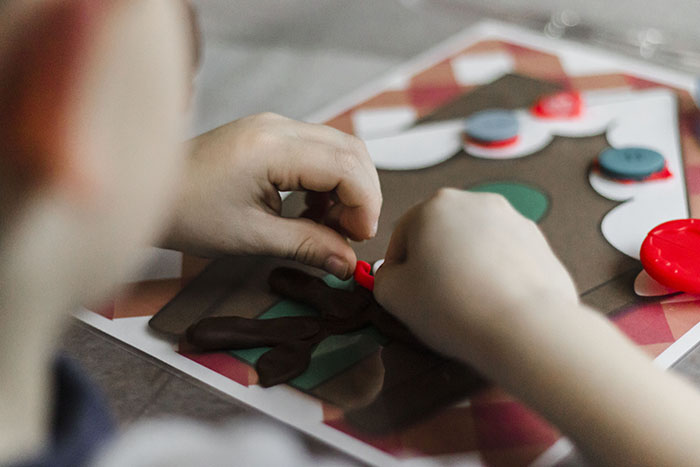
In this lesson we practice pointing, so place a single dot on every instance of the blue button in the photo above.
(492, 125)
(630, 163)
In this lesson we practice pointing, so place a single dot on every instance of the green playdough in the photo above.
(528, 201)
(333, 355)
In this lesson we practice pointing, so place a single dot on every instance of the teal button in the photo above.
(630, 163)
(493, 125)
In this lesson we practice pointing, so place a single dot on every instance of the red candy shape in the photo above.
(671, 254)
(661, 175)
(566, 104)
(494, 144)
(363, 275)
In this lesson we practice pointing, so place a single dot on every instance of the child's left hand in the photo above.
(229, 201)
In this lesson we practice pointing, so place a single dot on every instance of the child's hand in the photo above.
(230, 202)
(478, 282)
(465, 270)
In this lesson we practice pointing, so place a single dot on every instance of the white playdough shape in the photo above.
(626, 226)
(647, 286)
(417, 148)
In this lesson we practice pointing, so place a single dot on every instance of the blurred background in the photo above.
(294, 56)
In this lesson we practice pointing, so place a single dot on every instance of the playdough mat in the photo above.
(412, 121)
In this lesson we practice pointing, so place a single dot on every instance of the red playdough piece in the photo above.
(566, 104)
(493, 144)
(671, 254)
(363, 275)
(661, 175)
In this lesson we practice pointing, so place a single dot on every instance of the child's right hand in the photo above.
(478, 282)
(467, 272)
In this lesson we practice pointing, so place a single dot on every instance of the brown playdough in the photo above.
(234, 333)
(293, 338)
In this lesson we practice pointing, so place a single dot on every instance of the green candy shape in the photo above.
(527, 200)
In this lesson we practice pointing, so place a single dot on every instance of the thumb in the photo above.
(310, 243)
(389, 284)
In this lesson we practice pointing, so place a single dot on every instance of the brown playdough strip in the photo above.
(304, 288)
(234, 333)
(284, 362)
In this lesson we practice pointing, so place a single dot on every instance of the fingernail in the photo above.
(336, 266)
(375, 228)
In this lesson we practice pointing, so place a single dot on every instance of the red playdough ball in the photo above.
(671, 254)
(363, 275)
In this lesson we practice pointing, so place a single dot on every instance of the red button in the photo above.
(671, 254)
(566, 104)
(363, 275)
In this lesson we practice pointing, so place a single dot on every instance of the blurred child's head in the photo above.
(92, 104)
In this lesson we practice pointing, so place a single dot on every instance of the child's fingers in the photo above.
(307, 242)
(320, 167)
(333, 219)
(338, 139)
